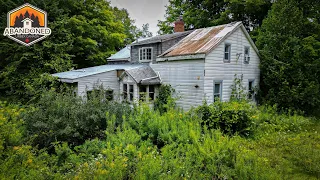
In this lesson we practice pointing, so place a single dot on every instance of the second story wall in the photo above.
(218, 70)
(157, 49)
(135, 52)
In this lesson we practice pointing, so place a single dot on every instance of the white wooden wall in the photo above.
(183, 76)
(217, 70)
(108, 80)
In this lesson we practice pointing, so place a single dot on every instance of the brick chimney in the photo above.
(179, 25)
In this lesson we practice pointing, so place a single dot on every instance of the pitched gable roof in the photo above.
(80, 73)
(203, 41)
(144, 75)
(123, 54)
(161, 38)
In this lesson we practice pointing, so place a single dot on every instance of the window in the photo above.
(250, 89)
(131, 92)
(151, 93)
(93, 94)
(109, 95)
(143, 92)
(125, 92)
(217, 91)
(27, 23)
(246, 55)
(145, 54)
(227, 52)
(147, 93)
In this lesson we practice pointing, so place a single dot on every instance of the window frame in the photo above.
(131, 94)
(251, 92)
(220, 89)
(143, 94)
(125, 91)
(229, 53)
(246, 57)
(145, 54)
(146, 96)
(153, 93)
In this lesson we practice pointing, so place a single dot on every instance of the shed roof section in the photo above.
(201, 41)
(144, 75)
(161, 38)
(79, 73)
(123, 54)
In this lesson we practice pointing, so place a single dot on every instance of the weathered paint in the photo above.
(183, 76)
(217, 70)
(107, 80)
(130, 81)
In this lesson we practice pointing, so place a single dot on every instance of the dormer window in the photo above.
(246, 55)
(145, 54)
(227, 52)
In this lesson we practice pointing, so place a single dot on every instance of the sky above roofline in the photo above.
(144, 11)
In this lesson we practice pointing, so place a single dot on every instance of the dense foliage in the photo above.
(206, 13)
(64, 117)
(145, 144)
(84, 34)
(290, 55)
(165, 99)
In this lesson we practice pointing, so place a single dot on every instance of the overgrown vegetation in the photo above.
(165, 100)
(289, 44)
(232, 140)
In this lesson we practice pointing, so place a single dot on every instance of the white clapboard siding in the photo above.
(217, 70)
(183, 76)
(108, 80)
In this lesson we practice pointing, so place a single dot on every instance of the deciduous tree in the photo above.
(290, 55)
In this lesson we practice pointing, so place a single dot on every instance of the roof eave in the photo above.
(181, 57)
(67, 80)
(122, 59)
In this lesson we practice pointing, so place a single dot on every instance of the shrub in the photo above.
(64, 117)
(164, 100)
(230, 117)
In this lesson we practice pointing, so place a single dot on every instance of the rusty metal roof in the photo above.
(201, 41)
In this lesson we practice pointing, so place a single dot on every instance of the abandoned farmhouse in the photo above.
(199, 64)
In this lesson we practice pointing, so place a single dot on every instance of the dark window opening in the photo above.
(250, 90)
(246, 55)
(131, 92)
(109, 95)
(143, 92)
(125, 94)
(151, 93)
(93, 94)
(227, 51)
(217, 91)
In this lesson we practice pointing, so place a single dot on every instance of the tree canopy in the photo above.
(289, 44)
(206, 13)
(84, 34)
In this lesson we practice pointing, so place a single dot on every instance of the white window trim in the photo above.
(221, 88)
(246, 56)
(128, 91)
(148, 93)
(229, 53)
(144, 60)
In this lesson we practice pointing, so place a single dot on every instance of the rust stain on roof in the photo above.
(200, 41)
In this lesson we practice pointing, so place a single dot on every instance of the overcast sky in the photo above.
(144, 11)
